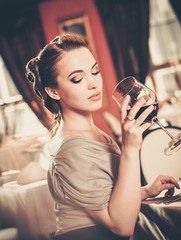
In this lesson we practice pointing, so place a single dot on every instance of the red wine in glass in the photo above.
(150, 116)
(130, 86)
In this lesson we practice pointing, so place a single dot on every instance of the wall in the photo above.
(54, 10)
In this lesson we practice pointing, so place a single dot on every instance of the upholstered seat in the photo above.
(153, 160)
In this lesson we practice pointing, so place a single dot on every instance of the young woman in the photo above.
(95, 185)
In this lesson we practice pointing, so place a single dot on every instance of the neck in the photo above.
(81, 124)
(78, 122)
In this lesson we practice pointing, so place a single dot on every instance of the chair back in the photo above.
(152, 158)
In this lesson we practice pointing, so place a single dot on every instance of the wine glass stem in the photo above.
(164, 129)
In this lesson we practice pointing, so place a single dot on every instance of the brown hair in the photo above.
(42, 71)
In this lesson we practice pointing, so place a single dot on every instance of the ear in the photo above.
(52, 93)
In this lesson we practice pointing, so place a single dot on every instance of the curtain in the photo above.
(176, 5)
(126, 25)
(21, 38)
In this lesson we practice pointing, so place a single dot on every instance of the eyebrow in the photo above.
(79, 71)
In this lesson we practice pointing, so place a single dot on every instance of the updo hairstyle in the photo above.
(42, 69)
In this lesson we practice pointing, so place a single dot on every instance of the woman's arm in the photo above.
(125, 200)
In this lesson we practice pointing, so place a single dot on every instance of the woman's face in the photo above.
(79, 81)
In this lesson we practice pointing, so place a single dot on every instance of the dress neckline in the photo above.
(111, 144)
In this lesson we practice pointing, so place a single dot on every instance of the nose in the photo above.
(92, 83)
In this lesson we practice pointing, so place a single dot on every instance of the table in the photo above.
(8, 176)
(28, 207)
(158, 221)
(15, 154)
(171, 113)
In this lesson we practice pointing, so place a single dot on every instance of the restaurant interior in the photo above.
(139, 38)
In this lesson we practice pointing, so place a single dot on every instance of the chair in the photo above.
(152, 158)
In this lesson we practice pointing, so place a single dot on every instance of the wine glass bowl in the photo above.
(136, 90)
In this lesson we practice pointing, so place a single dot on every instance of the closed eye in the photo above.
(95, 73)
(95, 70)
(76, 76)
(74, 80)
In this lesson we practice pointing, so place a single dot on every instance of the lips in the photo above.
(95, 96)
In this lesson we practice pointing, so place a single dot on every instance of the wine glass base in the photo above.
(174, 145)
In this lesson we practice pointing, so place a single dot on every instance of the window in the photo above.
(16, 117)
(7, 86)
(165, 49)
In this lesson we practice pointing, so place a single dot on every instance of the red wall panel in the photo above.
(54, 10)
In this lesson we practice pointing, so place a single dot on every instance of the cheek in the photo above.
(71, 94)
(100, 82)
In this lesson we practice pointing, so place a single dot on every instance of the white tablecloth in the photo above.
(28, 207)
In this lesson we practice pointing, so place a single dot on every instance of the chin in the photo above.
(96, 107)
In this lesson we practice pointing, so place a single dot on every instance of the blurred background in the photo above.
(127, 37)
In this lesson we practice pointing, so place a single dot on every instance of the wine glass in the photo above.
(130, 86)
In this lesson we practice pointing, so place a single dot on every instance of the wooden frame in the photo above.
(167, 81)
(79, 24)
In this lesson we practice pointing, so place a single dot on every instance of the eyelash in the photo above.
(95, 73)
(77, 81)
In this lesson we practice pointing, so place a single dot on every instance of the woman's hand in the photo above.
(132, 129)
(158, 185)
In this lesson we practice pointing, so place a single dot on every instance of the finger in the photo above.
(168, 186)
(175, 182)
(145, 126)
(170, 179)
(136, 107)
(124, 107)
(144, 114)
